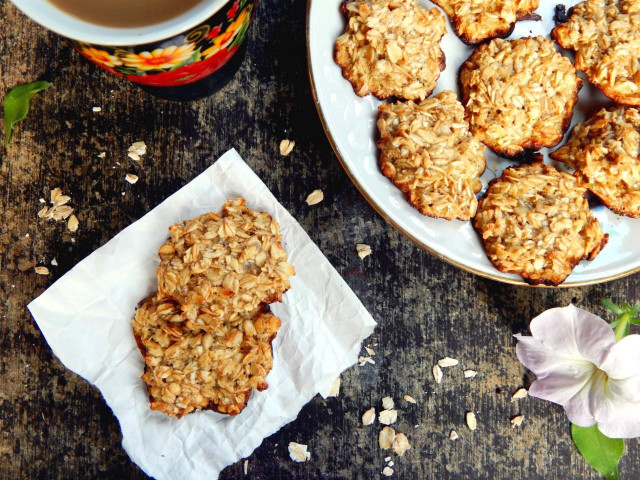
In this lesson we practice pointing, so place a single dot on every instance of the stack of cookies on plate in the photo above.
(206, 334)
(518, 96)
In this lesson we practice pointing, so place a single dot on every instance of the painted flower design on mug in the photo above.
(160, 58)
(237, 27)
(195, 55)
(101, 57)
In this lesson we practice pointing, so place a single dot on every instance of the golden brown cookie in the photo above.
(427, 151)
(605, 151)
(518, 94)
(229, 263)
(535, 222)
(605, 34)
(391, 48)
(475, 21)
(211, 369)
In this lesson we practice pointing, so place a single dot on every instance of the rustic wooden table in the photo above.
(56, 426)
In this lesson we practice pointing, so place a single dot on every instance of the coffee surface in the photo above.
(125, 13)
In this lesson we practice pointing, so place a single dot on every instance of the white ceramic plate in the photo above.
(349, 122)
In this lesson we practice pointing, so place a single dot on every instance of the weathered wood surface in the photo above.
(55, 426)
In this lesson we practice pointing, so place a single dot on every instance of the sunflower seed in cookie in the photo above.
(391, 48)
(605, 35)
(187, 369)
(605, 151)
(518, 94)
(475, 21)
(535, 222)
(426, 150)
(229, 262)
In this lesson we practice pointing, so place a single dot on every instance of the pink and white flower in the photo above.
(579, 365)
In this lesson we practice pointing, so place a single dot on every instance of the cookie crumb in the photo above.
(97, 109)
(131, 178)
(517, 421)
(315, 197)
(518, 394)
(387, 403)
(453, 436)
(298, 452)
(363, 250)
(42, 270)
(387, 471)
(335, 388)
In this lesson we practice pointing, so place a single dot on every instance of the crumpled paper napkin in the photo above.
(86, 319)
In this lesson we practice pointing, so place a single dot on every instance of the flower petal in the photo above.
(623, 360)
(574, 332)
(616, 407)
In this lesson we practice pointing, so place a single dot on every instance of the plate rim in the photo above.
(394, 224)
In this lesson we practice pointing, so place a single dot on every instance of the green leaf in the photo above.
(601, 452)
(16, 105)
(612, 306)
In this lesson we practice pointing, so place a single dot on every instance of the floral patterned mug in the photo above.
(188, 57)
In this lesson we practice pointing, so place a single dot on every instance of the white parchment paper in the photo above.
(86, 319)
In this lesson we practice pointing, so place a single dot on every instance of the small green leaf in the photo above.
(16, 105)
(612, 306)
(601, 452)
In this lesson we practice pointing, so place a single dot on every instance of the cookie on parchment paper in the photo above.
(518, 94)
(475, 21)
(391, 48)
(534, 221)
(426, 150)
(605, 151)
(212, 369)
(605, 35)
(229, 263)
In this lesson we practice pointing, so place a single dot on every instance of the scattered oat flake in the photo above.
(437, 373)
(387, 417)
(131, 178)
(55, 193)
(72, 224)
(409, 398)
(387, 471)
(298, 452)
(472, 422)
(364, 360)
(453, 436)
(315, 197)
(400, 444)
(102, 155)
(42, 200)
(335, 388)
(136, 150)
(387, 403)
(42, 270)
(447, 362)
(387, 459)
(370, 351)
(386, 437)
(54, 262)
(246, 467)
(391, 463)
(97, 109)
(363, 250)
(470, 373)
(517, 421)
(286, 146)
(520, 393)
(369, 416)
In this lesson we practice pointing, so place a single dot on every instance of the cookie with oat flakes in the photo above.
(518, 94)
(426, 150)
(229, 263)
(391, 48)
(475, 21)
(605, 35)
(605, 151)
(535, 221)
(214, 368)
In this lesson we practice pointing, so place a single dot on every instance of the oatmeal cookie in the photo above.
(475, 21)
(229, 263)
(518, 94)
(535, 222)
(427, 151)
(605, 34)
(192, 369)
(391, 48)
(605, 151)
